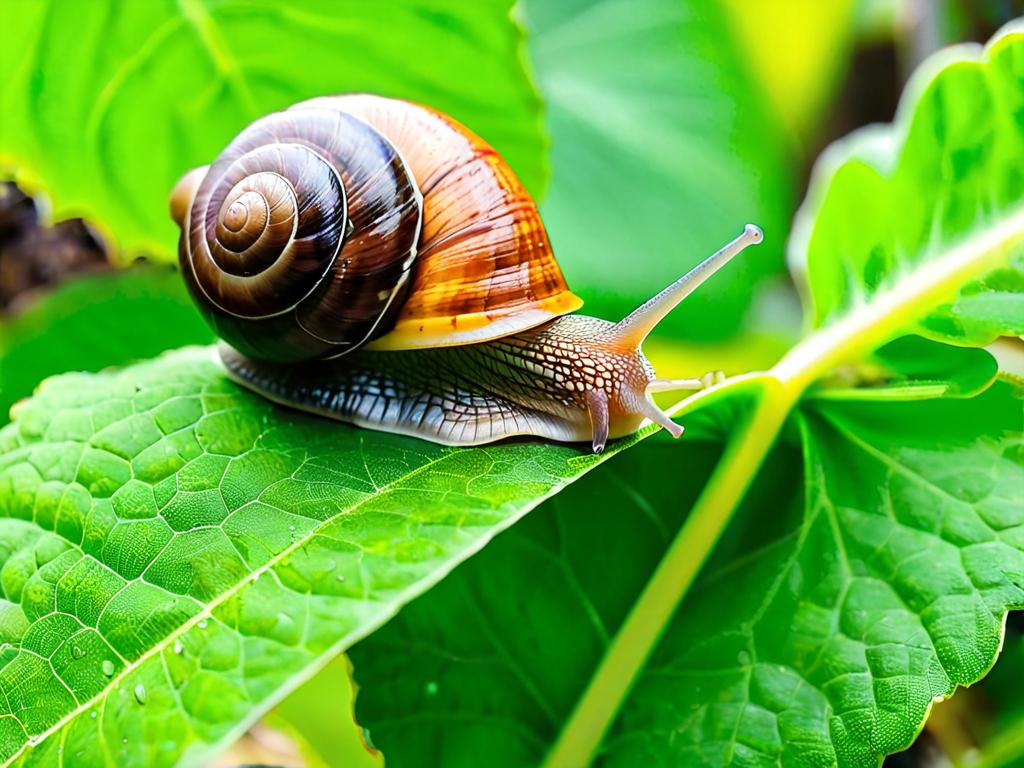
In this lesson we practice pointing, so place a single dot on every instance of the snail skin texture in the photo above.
(374, 261)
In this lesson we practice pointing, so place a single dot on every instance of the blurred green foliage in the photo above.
(106, 104)
(657, 159)
(93, 322)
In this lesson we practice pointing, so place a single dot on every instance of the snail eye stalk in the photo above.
(635, 327)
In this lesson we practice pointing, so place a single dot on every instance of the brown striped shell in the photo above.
(348, 219)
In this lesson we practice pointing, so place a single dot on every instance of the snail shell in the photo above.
(347, 219)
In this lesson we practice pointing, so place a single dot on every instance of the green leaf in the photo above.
(662, 148)
(810, 639)
(892, 590)
(913, 368)
(105, 105)
(92, 322)
(178, 554)
(890, 198)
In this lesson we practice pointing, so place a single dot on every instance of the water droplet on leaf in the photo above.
(77, 652)
(107, 667)
(178, 647)
(140, 693)
(204, 624)
(431, 688)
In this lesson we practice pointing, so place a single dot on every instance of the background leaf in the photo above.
(661, 150)
(999, 696)
(914, 368)
(93, 322)
(951, 163)
(320, 712)
(106, 104)
(178, 554)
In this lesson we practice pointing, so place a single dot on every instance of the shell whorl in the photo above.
(350, 219)
(301, 236)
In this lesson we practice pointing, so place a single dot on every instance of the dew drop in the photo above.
(77, 652)
(124, 740)
(291, 527)
(341, 577)
(107, 667)
(178, 647)
(432, 688)
(140, 693)
(204, 624)
(92, 715)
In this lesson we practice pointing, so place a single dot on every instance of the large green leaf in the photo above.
(889, 198)
(661, 147)
(92, 322)
(812, 639)
(840, 634)
(177, 554)
(105, 104)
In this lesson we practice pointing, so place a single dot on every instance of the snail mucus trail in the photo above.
(374, 261)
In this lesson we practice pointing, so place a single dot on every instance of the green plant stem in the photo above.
(895, 309)
(865, 328)
(671, 580)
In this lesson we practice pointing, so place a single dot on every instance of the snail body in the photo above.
(374, 261)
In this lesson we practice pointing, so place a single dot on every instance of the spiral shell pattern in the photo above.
(353, 219)
(301, 236)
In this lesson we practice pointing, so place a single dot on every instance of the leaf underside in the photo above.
(106, 104)
(951, 164)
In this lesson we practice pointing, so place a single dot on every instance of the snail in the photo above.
(374, 261)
